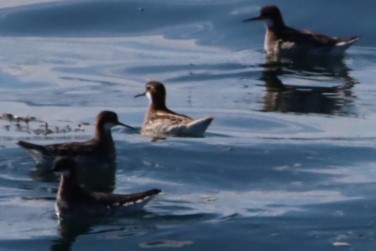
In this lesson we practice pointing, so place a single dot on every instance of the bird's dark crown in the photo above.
(155, 87)
(107, 116)
(157, 93)
(273, 13)
(269, 11)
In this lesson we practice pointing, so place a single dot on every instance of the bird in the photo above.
(99, 150)
(73, 200)
(281, 39)
(160, 121)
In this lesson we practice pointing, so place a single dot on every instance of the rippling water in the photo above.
(287, 164)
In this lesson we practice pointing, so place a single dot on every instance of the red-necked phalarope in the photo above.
(73, 200)
(280, 39)
(161, 121)
(100, 150)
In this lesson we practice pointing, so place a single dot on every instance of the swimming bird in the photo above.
(280, 38)
(99, 151)
(73, 200)
(161, 121)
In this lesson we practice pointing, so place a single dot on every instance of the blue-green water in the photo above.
(288, 163)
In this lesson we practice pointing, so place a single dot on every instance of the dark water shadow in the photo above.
(70, 228)
(92, 178)
(68, 231)
(318, 97)
(135, 224)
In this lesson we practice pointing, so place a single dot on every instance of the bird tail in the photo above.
(30, 146)
(38, 153)
(135, 197)
(348, 41)
(199, 126)
(353, 39)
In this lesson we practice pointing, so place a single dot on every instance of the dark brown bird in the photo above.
(280, 38)
(100, 150)
(73, 200)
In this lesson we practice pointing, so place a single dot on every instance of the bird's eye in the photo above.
(148, 87)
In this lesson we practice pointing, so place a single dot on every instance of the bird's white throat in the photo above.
(149, 97)
(65, 173)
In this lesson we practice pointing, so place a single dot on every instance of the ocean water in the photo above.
(288, 163)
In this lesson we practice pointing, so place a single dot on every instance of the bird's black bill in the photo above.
(140, 95)
(127, 126)
(252, 19)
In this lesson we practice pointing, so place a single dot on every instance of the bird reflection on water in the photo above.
(334, 97)
(71, 228)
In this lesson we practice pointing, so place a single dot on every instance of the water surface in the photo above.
(287, 164)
